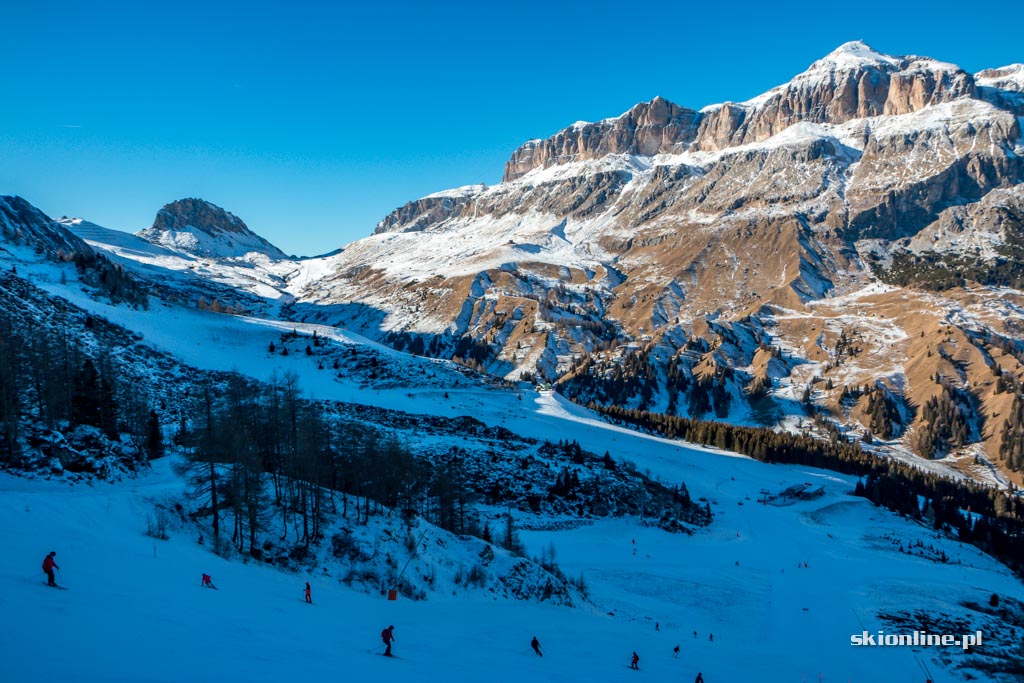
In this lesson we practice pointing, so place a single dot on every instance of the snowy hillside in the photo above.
(781, 589)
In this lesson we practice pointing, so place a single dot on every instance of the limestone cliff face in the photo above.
(853, 82)
(1003, 87)
(198, 214)
(649, 128)
(931, 160)
(417, 215)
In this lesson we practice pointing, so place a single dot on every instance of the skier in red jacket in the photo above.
(309, 595)
(635, 662)
(49, 564)
(388, 636)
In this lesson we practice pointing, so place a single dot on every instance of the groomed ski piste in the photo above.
(782, 589)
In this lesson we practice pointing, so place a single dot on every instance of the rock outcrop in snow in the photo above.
(197, 227)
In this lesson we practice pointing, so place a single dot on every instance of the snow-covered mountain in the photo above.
(199, 228)
(697, 237)
(872, 197)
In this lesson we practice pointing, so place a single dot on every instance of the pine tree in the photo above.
(154, 437)
(85, 397)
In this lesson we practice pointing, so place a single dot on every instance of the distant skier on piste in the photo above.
(388, 636)
(49, 564)
(535, 644)
(635, 662)
(309, 596)
(208, 581)
(699, 679)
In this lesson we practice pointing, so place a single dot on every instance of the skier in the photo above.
(535, 644)
(675, 652)
(711, 637)
(657, 626)
(635, 663)
(208, 581)
(309, 597)
(388, 636)
(699, 679)
(49, 564)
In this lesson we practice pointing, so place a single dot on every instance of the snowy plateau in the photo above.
(468, 424)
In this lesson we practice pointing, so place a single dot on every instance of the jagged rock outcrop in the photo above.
(1010, 77)
(987, 229)
(1003, 87)
(197, 227)
(915, 166)
(655, 127)
(431, 210)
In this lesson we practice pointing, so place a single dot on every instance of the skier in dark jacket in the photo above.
(49, 564)
(535, 644)
(635, 662)
(388, 636)
(700, 678)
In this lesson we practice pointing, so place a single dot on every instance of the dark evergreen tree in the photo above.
(154, 437)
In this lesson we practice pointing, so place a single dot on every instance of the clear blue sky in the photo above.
(311, 121)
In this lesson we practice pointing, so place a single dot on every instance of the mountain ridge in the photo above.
(706, 278)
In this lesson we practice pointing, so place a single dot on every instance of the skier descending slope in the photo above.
(309, 596)
(635, 662)
(49, 564)
(388, 636)
(535, 644)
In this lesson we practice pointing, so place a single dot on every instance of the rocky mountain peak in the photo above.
(855, 55)
(198, 227)
(853, 81)
(200, 215)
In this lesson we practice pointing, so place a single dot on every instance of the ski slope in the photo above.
(135, 611)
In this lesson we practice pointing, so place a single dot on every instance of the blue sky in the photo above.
(311, 121)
